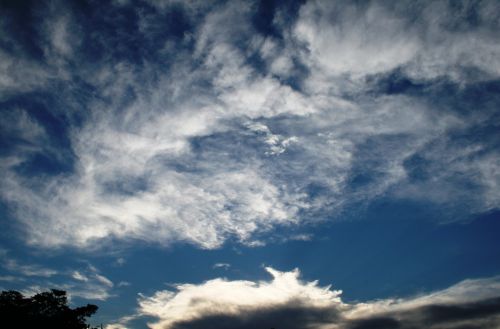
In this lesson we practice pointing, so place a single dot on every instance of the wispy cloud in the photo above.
(123, 284)
(88, 283)
(120, 261)
(224, 266)
(427, 40)
(10, 278)
(221, 132)
(27, 269)
(85, 282)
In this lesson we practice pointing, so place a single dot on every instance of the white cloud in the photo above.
(59, 36)
(347, 38)
(427, 40)
(224, 266)
(220, 296)
(122, 322)
(19, 123)
(20, 75)
(467, 291)
(33, 290)
(300, 237)
(93, 275)
(10, 278)
(104, 280)
(277, 144)
(88, 283)
(176, 208)
(148, 163)
(79, 276)
(28, 269)
(120, 261)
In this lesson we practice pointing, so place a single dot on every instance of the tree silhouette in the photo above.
(44, 310)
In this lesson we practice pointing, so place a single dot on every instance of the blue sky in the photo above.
(235, 164)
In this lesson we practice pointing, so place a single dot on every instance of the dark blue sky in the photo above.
(159, 153)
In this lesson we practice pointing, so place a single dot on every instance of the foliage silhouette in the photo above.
(44, 310)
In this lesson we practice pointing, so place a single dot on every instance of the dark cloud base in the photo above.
(288, 316)
(482, 314)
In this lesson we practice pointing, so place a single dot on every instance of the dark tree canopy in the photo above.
(44, 310)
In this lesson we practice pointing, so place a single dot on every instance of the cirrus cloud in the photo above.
(220, 132)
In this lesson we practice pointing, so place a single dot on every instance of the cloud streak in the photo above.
(86, 282)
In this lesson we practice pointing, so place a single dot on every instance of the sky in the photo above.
(254, 164)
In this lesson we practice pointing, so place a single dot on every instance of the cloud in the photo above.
(97, 277)
(28, 269)
(10, 278)
(465, 292)
(427, 40)
(288, 316)
(220, 132)
(20, 75)
(277, 144)
(357, 39)
(22, 272)
(78, 276)
(87, 283)
(222, 300)
(480, 314)
(224, 266)
(287, 301)
(120, 261)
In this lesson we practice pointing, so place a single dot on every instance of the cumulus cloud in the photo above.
(219, 298)
(219, 132)
(287, 301)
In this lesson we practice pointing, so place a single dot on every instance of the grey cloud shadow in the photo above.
(483, 314)
(290, 316)
(480, 314)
